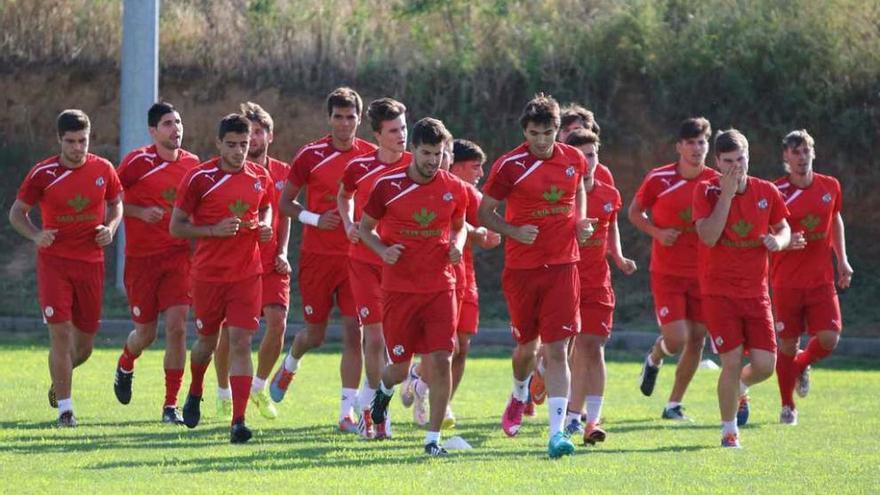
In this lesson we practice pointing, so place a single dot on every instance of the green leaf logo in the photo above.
(424, 217)
(79, 203)
(553, 195)
(810, 222)
(170, 195)
(686, 215)
(239, 208)
(742, 228)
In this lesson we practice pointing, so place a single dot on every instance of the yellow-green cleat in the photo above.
(264, 404)
(224, 408)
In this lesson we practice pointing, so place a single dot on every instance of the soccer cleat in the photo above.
(676, 414)
(171, 415)
(407, 394)
(381, 431)
(730, 441)
(347, 425)
(593, 434)
(365, 424)
(420, 406)
(66, 420)
(648, 378)
(803, 382)
(53, 400)
(559, 445)
(239, 433)
(224, 408)
(280, 383)
(537, 389)
(529, 409)
(511, 420)
(448, 420)
(264, 404)
(434, 449)
(379, 409)
(788, 416)
(192, 410)
(122, 385)
(574, 427)
(742, 413)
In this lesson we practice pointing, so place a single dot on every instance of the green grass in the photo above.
(123, 449)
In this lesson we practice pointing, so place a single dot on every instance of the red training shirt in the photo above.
(603, 203)
(278, 172)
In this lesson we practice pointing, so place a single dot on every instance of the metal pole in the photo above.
(139, 88)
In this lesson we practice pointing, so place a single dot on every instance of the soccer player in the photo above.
(597, 296)
(275, 278)
(224, 204)
(79, 197)
(323, 266)
(545, 218)
(739, 219)
(804, 298)
(667, 192)
(156, 264)
(420, 216)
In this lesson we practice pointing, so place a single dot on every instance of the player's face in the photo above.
(540, 138)
(74, 145)
(168, 132)
(261, 138)
(591, 153)
(427, 158)
(470, 171)
(799, 158)
(732, 159)
(233, 148)
(565, 131)
(392, 136)
(344, 122)
(693, 151)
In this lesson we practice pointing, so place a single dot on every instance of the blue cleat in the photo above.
(559, 446)
(742, 414)
(280, 382)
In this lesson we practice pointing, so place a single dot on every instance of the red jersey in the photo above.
(670, 198)
(208, 195)
(812, 212)
(541, 193)
(73, 201)
(737, 265)
(278, 172)
(603, 203)
(603, 174)
(148, 180)
(358, 178)
(418, 216)
(318, 167)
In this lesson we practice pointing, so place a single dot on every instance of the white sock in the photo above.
(521, 390)
(65, 405)
(743, 388)
(385, 390)
(556, 406)
(365, 396)
(729, 427)
(651, 362)
(420, 387)
(291, 363)
(572, 416)
(672, 405)
(345, 404)
(258, 385)
(224, 393)
(432, 436)
(594, 408)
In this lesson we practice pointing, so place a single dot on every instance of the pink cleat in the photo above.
(512, 418)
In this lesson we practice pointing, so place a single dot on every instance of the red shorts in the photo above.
(740, 321)
(418, 323)
(468, 311)
(156, 283)
(276, 289)
(543, 302)
(237, 303)
(321, 277)
(676, 298)
(812, 310)
(70, 290)
(366, 286)
(597, 310)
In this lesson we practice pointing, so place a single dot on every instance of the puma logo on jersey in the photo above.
(520, 163)
(397, 184)
(665, 182)
(319, 153)
(52, 172)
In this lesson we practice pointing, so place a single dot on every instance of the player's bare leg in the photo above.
(221, 368)
(591, 350)
(275, 316)
(374, 363)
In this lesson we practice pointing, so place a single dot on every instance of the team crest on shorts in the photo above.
(447, 197)
(365, 311)
(49, 310)
(826, 198)
(780, 326)
(135, 310)
(719, 341)
(569, 171)
(99, 181)
(514, 331)
(762, 203)
(309, 309)
(199, 324)
(398, 350)
(664, 311)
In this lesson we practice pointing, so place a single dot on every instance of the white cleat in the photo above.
(803, 382)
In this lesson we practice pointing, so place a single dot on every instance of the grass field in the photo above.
(123, 449)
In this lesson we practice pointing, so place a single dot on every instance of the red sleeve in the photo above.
(703, 203)
(471, 215)
(376, 203)
(349, 179)
(499, 184)
(618, 202)
(114, 187)
(128, 176)
(463, 203)
(189, 194)
(30, 192)
(838, 197)
(299, 171)
(646, 196)
(778, 210)
(269, 193)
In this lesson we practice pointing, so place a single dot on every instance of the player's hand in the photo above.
(525, 234)
(585, 229)
(771, 243)
(454, 254)
(730, 181)
(282, 266)
(667, 237)
(265, 230)
(329, 220)
(493, 239)
(227, 227)
(45, 238)
(152, 214)
(392, 253)
(353, 233)
(845, 275)
(103, 235)
(626, 265)
(798, 241)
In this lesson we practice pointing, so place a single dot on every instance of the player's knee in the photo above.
(314, 337)
(828, 340)
(788, 346)
(374, 341)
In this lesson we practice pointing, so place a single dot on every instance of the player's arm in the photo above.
(779, 238)
(838, 244)
(489, 218)
(459, 236)
(639, 218)
(367, 231)
(615, 250)
(19, 218)
(113, 215)
(264, 223)
(149, 214)
(282, 265)
(345, 206)
(181, 226)
(291, 207)
(584, 225)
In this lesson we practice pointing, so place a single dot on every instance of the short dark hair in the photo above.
(573, 112)
(582, 137)
(382, 110)
(157, 111)
(541, 110)
(344, 97)
(796, 138)
(429, 131)
(256, 114)
(72, 120)
(694, 127)
(466, 151)
(730, 140)
(233, 122)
